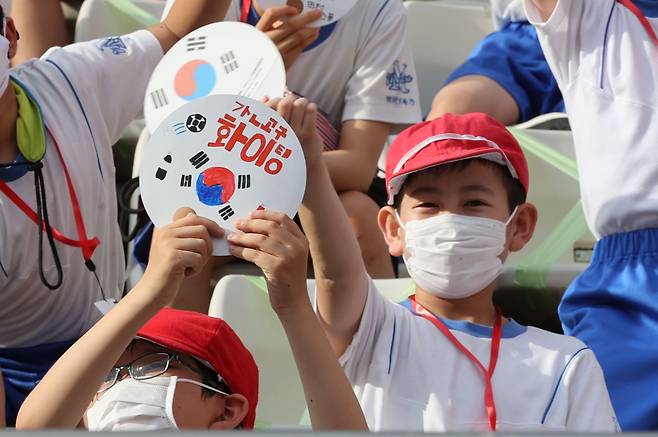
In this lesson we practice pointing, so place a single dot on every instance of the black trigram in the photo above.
(186, 180)
(244, 181)
(161, 173)
(229, 62)
(159, 98)
(199, 160)
(226, 212)
(198, 43)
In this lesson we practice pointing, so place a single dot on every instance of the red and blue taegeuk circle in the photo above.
(215, 186)
(195, 79)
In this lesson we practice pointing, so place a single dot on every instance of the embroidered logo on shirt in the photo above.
(398, 78)
(113, 43)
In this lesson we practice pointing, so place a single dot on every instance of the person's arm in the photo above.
(42, 25)
(289, 31)
(340, 275)
(63, 395)
(545, 8)
(187, 16)
(273, 242)
(354, 164)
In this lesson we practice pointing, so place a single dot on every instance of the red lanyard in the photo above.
(643, 19)
(86, 245)
(487, 373)
(246, 7)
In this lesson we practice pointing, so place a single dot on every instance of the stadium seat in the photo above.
(442, 34)
(103, 18)
(243, 302)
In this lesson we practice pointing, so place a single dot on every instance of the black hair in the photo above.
(516, 194)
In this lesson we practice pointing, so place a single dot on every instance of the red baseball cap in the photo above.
(212, 341)
(452, 138)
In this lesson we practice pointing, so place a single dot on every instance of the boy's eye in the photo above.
(426, 205)
(475, 203)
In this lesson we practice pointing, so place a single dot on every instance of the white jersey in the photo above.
(364, 70)
(88, 94)
(409, 377)
(607, 70)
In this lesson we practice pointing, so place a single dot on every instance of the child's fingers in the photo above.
(280, 218)
(193, 261)
(310, 118)
(285, 106)
(297, 114)
(192, 219)
(272, 15)
(250, 255)
(198, 232)
(196, 245)
(258, 242)
(183, 212)
(273, 103)
(258, 226)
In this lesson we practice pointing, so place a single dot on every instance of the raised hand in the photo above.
(179, 250)
(301, 114)
(273, 242)
(289, 30)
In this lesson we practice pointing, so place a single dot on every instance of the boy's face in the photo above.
(191, 410)
(474, 190)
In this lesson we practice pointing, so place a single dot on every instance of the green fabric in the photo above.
(130, 16)
(532, 271)
(30, 130)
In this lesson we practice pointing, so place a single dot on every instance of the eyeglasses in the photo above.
(146, 367)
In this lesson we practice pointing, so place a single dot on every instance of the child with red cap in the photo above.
(446, 359)
(144, 368)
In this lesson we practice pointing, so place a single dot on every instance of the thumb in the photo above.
(183, 212)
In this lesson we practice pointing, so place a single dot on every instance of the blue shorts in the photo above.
(613, 307)
(23, 368)
(513, 58)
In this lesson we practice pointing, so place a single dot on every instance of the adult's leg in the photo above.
(475, 94)
(362, 211)
(41, 25)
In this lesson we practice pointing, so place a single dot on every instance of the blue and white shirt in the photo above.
(409, 377)
(88, 93)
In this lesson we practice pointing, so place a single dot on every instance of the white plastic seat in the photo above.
(243, 302)
(442, 34)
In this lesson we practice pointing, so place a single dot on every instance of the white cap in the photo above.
(6, 6)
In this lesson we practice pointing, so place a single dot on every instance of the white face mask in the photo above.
(4, 62)
(133, 405)
(454, 256)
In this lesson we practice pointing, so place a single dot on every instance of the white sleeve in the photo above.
(574, 30)
(378, 316)
(109, 76)
(384, 86)
(583, 394)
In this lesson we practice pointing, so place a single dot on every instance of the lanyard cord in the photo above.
(640, 16)
(246, 7)
(40, 217)
(487, 373)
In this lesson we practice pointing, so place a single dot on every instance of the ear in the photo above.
(12, 36)
(522, 227)
(393, 232)
(235, 408)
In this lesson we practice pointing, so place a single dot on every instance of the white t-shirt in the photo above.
(88, 94)
(505, 11)
(364, 70)
(607, 70)
(408, 376)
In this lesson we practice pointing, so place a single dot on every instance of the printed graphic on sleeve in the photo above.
(223, 156)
